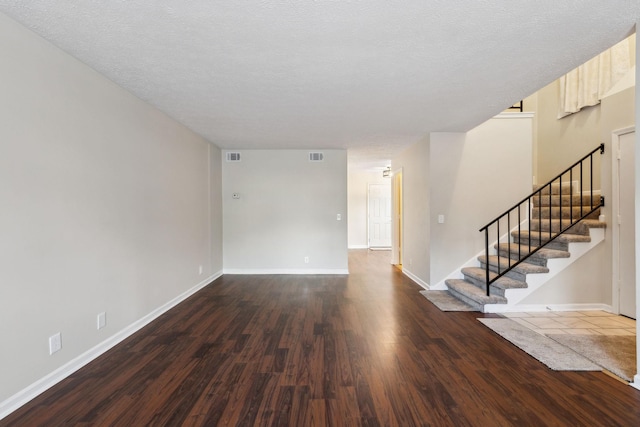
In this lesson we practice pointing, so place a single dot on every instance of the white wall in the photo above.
(414, 164)
(475, 177)
(287, 211)
(107, 205)
(358, 192)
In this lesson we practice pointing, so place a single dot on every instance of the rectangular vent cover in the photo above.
(233, 157)
(316, 157)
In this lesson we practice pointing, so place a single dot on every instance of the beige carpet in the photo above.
(548, 351)
(446, 302)
(616, 354)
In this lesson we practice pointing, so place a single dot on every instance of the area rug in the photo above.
(616, 354)
(548, 351)
(446, 302)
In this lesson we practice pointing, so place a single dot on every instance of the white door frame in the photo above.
(397, 222)
(615, 230)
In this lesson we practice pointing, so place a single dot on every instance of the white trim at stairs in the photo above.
(40, 386)
(555, 265)
(531, 308)
(514, 115)
(286, 271)
(416, 279)
(636, 382)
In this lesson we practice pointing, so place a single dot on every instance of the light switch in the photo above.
(338, 217)
(440, 219)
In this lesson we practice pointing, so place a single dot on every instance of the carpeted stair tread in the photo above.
(567, 200)
(582, 227)
(473, 293)
(523, 267)
(564, 238)
(566, 212)
(566, 188)
(479, 274)
(524, 249)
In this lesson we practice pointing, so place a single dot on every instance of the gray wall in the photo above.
(287, 211)
(107, 205)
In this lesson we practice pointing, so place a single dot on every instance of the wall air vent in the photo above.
(233, 157)
(316, 157)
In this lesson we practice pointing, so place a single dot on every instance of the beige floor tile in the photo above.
(574, 322)
(630, 323)
(569, 314)
(581, 331)
(544, 323)
(524, 323)
(597, 313)
(512, 315)
(607, 322)
(542, 314)
(553, 331)
(615, 332)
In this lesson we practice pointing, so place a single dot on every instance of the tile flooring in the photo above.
(575, 322)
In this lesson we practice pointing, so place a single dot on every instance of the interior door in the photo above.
(379, 216)
(626, 223)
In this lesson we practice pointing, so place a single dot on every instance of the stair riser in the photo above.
(555, 212)
(567, 188)
(531, 260)
(469, 301)
(567, 200)
(481, 284)
(534, 242)
(555, 227)
(513, 274)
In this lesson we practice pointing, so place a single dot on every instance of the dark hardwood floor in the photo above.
(366, 349)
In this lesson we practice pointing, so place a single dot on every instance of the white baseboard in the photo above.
(636, 381)
(40, 386)
(530, 308)
(285, 271)
(415, 278)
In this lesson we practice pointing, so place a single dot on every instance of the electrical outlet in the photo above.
(102, 320)
(306, 260)
(55, 343)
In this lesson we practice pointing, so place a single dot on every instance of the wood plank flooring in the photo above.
(360, 350)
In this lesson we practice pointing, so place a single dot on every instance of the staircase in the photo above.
(545, 216)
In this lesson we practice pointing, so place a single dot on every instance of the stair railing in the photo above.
(515, 256)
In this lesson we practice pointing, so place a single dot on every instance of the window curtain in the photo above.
(587, 84)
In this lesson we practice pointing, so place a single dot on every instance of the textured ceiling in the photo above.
(372, 76)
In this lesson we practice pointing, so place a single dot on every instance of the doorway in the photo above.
(624, 244)
(379, 216)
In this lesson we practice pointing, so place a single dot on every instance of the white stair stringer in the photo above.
(555, 265)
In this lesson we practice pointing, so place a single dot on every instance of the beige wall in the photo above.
(474, 177)
(469, 178)
(560, 143)
(414, 164)
(107, 206)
